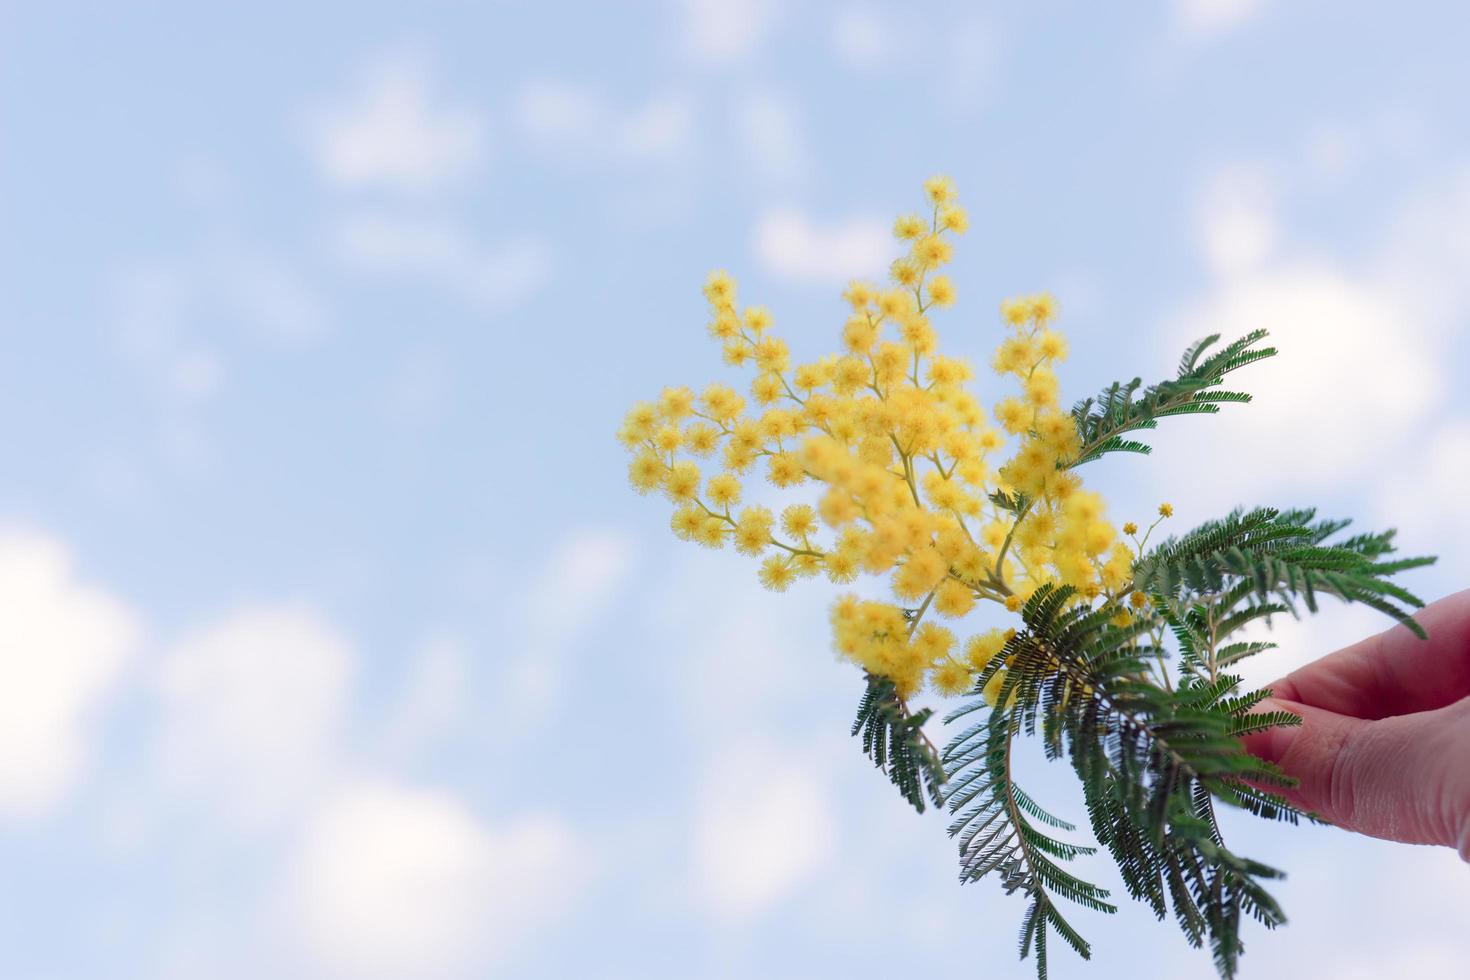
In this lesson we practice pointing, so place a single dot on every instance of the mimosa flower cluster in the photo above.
(913, 479)
(948, 506)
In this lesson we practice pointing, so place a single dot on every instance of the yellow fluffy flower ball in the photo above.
(964, 512)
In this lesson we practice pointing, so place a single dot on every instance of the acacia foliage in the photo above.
(1156, 752)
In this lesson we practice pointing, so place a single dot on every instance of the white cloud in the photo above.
(149, 303)
(1432, 958)
(162, 309)
(738, 665)
(1364, 349)
(1336, 150)
(575, 586)
(660, 129)
(441, 253)
(252, 708)
(1211, 17)
(861, 38)
(965, 50)
(722, 32)
(769, 132)
(649, 147)
(1237, 220)
(269, 295)
(581, 126)
(788, 244)
(394, 881)
(555, 110)
(1333, 151)
(763, 828)
(1424, 497)
(196, 374)
(392, 134)
(64, 644)
(1426, 253)
(1338, 931)
(745, 662)
(1314, 421)
(578, 581)
(1301, 641)
(434, 698)
(975, 51)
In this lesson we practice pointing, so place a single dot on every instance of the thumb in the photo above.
(1398, 778)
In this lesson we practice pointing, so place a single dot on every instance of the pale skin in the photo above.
(1384, 745)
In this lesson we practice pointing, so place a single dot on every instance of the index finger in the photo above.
(1395, 672)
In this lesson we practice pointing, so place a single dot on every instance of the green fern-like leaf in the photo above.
(893, 737)
(1155, 758)
(1151, 762)
(1121, 408)
(1266, 561)
(995, 822)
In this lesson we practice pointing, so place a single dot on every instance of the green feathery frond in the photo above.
(893, 737)
(1151, 762)
(1269, 560)
(1154, 759)
(1015, 502)
(1121, 408)
(996, 824)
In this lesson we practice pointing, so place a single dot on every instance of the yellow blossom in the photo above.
(1013, 414)
(682, 481)
(646, 472)
(859, 294)
(668, 438)
(799, 520)
(940, 190)
(757, 318)
(941, 291)
(895, 303)
(1015, 311)
(909, 226)
(993, 686)
(776, 573)
(952, 678)
(686, 522)
(904, 271)
(916, 485)
(954, 598)
(932, 251)
(723, 490)
(1053, 346)
(719, 288)
(981, 649)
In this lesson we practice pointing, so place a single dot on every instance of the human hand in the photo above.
(1384, 744)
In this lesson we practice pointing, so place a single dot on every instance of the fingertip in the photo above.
(1272, 743)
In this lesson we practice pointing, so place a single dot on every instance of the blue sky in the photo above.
(341, 648)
